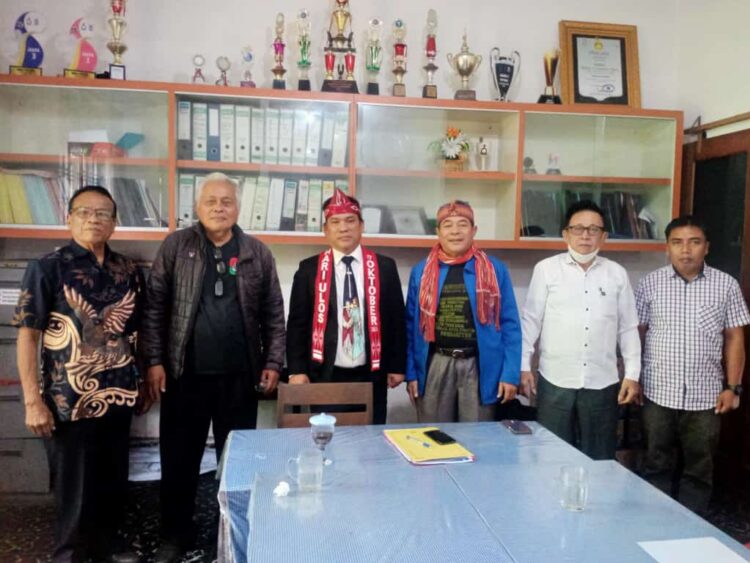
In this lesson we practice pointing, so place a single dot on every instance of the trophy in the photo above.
(117, 26)
(482, 154)
(374, 54)
(247, 61)
(198, 62)
(553, 164)
(30, 52)
(84, 60)
(465, 63)
(430, 89)
(551, 58)
(339, 46)
(503, 70)
(303, 42)
(528, 165)
(278, 70)
(224, 65)
(399, 57)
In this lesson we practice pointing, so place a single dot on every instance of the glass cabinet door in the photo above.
(410, 160)
(57, 139)
(625, 164)
(286, 155)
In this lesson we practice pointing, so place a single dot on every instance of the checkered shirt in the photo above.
(682, 356)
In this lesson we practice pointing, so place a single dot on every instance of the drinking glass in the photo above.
(574, 487)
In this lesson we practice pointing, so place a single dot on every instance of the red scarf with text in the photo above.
(488, 291)
(323, 280)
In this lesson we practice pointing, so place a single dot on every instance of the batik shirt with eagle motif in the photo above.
(88, 315)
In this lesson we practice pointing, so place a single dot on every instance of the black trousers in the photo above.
(89, 468)
(379, 388)
(188, 408)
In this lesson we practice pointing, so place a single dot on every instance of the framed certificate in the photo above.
(409, 220)
(599, 64)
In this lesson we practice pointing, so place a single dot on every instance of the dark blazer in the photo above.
(299, 324)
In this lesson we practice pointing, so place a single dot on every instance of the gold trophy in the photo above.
(399, 57)
(117, 25)
(551, 58)
(465, 63)
(278, 45)
(430, 89)
(339, 54)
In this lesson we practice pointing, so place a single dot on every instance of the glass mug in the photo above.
(307, 469)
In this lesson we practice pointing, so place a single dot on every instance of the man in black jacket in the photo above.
(213, 329)
(346, 312)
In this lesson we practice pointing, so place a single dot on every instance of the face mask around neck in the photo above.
(582, 258)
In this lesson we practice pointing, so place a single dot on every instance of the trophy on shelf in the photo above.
(504, 70)
(117, 26)
(198, 62)
(339, 46)
(30, 52)
(278, 70)
(374, 54)
(224, 65)
(430, 89)
(551, 59)
(247, 60)
(84, 60)
(465, 63)
(553, 164)
(303, 42)
(399, 57)
(482, 154)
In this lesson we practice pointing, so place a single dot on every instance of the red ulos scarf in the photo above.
(323, 280)
(488, 291)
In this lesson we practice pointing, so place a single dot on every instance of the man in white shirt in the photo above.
(580, 307)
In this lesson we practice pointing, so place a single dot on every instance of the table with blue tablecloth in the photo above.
(376, 506)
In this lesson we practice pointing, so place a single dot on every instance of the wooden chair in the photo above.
(324, 395)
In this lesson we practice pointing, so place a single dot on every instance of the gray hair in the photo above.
(217, 177)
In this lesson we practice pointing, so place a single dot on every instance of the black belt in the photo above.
(458, 353)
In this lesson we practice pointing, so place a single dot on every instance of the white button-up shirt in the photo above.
(343, 359)
(579, 318)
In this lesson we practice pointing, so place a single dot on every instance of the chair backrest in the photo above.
(324, 395)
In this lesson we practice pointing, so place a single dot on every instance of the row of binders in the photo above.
(239, 133)
(269, 203)
(32, 199)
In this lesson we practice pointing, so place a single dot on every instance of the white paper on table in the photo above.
(691, 550)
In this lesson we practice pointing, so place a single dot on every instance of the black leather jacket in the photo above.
(173, 294)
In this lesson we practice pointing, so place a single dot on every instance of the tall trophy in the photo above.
(374, 54)
(278, 70)
(399, 57)
(84, 60)
(247, 60)
(303, 42)
(117, 26)
(430, 89)
(551, 58)
(198, 62)
(339, 53)
(223, 64)
(504, 70)
(30, 52)
(465, 63)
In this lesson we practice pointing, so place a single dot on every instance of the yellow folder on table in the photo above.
(420, 449)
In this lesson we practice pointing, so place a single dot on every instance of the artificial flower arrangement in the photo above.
(453, 148)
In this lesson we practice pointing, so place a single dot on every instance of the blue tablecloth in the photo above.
(375, 506)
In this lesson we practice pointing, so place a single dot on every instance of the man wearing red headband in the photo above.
(346, 312)
(463, 330)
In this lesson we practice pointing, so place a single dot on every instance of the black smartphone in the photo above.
(517, 426)
(440, 437)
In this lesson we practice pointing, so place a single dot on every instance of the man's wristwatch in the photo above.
(736, 389)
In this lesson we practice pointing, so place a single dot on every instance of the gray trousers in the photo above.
(452, 392)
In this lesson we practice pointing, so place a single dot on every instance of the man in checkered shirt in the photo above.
(691, 318)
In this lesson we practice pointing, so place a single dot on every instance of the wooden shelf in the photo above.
(486, 176)
(10, 157)
(61, 232)
(559, 178)
(270, 168)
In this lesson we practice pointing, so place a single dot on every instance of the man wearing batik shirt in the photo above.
(346, 312)
(464, 334)
(691, 319)
(81, 301)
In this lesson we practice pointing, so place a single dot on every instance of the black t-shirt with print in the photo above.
(454, 325)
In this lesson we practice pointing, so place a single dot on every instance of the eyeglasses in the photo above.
(85, 213)
(593, 230)
(221, 269)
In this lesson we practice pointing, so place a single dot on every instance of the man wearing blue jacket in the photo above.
(463, 329)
